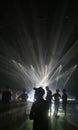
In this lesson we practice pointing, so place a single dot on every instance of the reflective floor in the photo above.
(70, 122)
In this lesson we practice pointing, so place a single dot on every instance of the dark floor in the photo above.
(70, 122)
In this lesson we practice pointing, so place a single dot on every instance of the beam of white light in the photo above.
(37, 71)
(65, 75)
(69, 54)
(72, 71)
(42, 80)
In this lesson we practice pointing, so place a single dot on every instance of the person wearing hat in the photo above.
(39, 111)
(64, 101)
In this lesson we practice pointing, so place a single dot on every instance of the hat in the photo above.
(35, 88)
(39, 91)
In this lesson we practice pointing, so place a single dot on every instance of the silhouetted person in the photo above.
(64, 101)
(23, 96)
(34, 94)
(56, 101)
(6, 96)
(39, 111)
(49, 97)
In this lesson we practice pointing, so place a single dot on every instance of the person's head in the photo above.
(24, 91)
(64, 91)
(39, 92)
(57, 90)
(47, 88)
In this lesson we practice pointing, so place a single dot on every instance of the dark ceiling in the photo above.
(33, 33)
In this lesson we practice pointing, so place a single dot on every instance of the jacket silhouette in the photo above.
(39, 111)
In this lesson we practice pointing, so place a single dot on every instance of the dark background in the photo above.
(50, 27)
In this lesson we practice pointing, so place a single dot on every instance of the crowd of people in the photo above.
(7, 96)
(40, 107)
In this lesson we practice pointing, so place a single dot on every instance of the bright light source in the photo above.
(31, 97)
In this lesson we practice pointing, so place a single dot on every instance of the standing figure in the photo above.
(39, 111)
(64, 101)
(23, 96)
(6, 95)
(56, 101)
(49, 97)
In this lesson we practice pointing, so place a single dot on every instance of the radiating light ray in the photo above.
(43, 80)
(26, 60)
(38, 73)
(74, 68)
(38, 77)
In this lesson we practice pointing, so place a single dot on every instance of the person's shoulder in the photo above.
(50, 92)
(45, 102)
(54, 94)
(34, 104)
